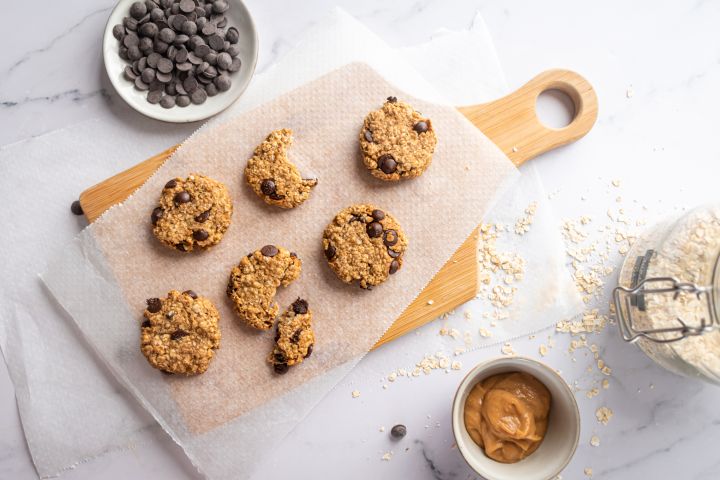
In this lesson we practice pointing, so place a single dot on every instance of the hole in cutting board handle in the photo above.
(555, 109)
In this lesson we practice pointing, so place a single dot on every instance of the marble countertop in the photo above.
(656, 67)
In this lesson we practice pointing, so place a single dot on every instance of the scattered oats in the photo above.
(588, 472)
(385, 387)
(459, 351)
(603, 415)
(454, 333)
(507, 349)
(387, 456)
(595, 441)
(382, 429)
(522, 225)
(629, 92)
(606, 383)
(618, 199)
(467, 314)
(592, 393)
(616, 183)
(355, 393)
(543, 349)
(392, 377)
(485, 333)
(456, 365)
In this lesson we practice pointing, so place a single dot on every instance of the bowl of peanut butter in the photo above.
(515, 418)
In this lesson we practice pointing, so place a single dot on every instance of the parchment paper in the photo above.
(438, 211)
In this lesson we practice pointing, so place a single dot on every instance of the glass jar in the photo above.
(667, 298)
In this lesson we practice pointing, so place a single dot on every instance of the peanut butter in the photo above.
(507, 415)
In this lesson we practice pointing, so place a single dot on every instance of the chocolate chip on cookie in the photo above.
(254, 281)
(273, 177)
(193, 213)
(294, 337)
(364, 244)
(180, 333)
(397, 142)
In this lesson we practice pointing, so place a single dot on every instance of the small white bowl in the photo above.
(561, 438)
(238, 16)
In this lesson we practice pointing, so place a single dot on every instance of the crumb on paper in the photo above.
(603, 415)
(543, 349)
(430, 302)
(485, 333)
(355, 393)
(382, 429)
(605, 384)
(392, 376)
(595, 441)
(588, 472)
(387, 456)
(629, 92)
(507, 349)
(616, 183)
(456, 365)
(522, 225)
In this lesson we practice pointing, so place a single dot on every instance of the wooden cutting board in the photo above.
(510, 122)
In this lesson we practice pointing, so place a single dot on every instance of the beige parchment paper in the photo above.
(239, 403)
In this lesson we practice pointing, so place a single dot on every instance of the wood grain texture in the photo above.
(510, 122)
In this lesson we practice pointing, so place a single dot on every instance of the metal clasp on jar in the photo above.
(627, 298)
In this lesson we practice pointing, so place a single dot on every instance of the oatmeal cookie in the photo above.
(397, 142)
(194, 212)
(255, 280)
(294, 338)
(180, 333)
(273, 177)
(364, 243)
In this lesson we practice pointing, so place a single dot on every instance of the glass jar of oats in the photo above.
(669, 291)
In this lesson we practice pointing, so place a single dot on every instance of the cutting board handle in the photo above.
(512, 123)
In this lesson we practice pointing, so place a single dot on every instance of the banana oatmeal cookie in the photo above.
(294, 338)
(397, 142)
(273, 177)
(364, 243)
(254, 281)
(194, 212)
(180, 333)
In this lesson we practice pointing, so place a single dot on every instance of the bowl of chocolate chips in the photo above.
(180, 60)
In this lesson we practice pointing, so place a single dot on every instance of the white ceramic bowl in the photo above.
(561, 438)
(238, 16)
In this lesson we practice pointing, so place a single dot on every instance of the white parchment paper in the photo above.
(94, 412)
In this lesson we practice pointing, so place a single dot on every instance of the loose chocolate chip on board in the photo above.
(267, 186)
(377, 215)
(75, 208)
(374, 229)
(200, 235)
(368, 136)
(394, 266)
(387, 164)
(202, 218)
(191, 294)
(153, 305)
(156, 215)
(330, 252)
(421, 127)
(398, 431)
(300, 306)
(269, 250)
(181, 197)
(178, 334)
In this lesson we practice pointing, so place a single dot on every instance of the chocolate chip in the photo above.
(280, 358)
(330, 252)
(269, 250)
(296, 336)
(171, 184)
(76, 208)
(191, 294)
(366, 287)
(276, 196)
(387, 164)
(182, 197)
(398, 431)
(153, 305)
(178, 334)
(156, 215)
(300, 306)
(277, 335)
(374, 229)
(368, 136)
(309, 350)
(146, 324)
(293, 254)
(181, 247)
(357, 218)
(390, 238)
(268, 186)
(421, 127)
(200, 235)
(378, 215)
(394, 266)
(392, 99)
(202, 218)
(165, 372)
(393, 253)
(280, 368)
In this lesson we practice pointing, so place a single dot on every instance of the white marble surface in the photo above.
(660, 142)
